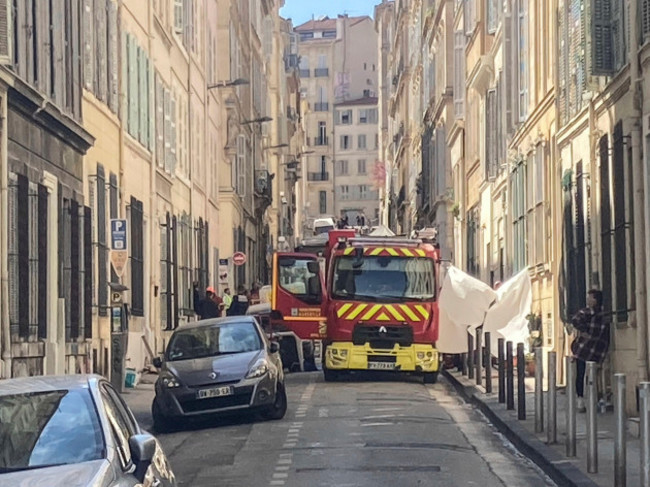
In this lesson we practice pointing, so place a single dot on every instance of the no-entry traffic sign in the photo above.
(239, 258)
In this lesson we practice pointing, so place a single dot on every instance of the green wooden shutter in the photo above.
(88, 43)
(601, 37)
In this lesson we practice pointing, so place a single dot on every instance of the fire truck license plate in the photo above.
(381, 366)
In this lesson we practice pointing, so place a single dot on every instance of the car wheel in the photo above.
(279, 408)
(430, 377)
(161, 422)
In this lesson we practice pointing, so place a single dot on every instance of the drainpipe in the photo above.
(5, 371)
(640, 195)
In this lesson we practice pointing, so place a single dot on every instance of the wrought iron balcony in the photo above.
(318, 176)
(321, 72)
(321, 106)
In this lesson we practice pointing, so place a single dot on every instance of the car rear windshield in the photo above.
(43, 429)
(212, 340)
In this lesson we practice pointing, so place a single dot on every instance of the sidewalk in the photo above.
(551, 458)
(139, 399)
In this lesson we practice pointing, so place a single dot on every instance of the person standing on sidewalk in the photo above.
(592, 340)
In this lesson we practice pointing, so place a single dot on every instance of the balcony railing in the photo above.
(263, 184)
(318, 176)
(321, 140)
(305, 73)
(321, 72)
(321, 106)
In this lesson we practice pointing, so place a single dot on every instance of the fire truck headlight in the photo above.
(420, 355)
(430, 354)
(344, 353)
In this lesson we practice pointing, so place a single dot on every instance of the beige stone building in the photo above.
(338, 62)
(357, 144)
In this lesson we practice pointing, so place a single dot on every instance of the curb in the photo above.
(555, 465)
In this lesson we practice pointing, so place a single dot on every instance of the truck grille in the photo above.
(382, 336)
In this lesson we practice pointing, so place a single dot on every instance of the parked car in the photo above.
(74, 431)
(218, 366)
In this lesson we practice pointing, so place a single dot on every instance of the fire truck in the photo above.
(380, 305)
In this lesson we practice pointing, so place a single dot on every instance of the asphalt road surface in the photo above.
(370, 431)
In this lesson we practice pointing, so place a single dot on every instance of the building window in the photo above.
(361, 166)
(361, 141)
(473, 242)
(363, 191)
(522, 55)
(491, 123)
(322, 202)
(344, 192)
(363, 115)
(492, 16)
(518, 192)
(535, 205)
(459, 74)
(168, 273)
(323, 166)
(137, 257)
(27, 259)
(376, 141)
(345, 142)
(344, 117)
(184, 243)
(322, 134)
(342, 168)
(99, 190)
(139, 124)
(240, 170)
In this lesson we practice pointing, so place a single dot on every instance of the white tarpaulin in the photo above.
(466, 303)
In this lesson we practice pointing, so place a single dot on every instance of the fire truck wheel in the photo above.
(331, 375)
(430, 377)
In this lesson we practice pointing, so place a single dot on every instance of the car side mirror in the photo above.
(157, 362)
(274, 347)
(143, 449)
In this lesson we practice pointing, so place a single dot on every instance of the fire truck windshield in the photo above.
(383, 278)
(300, 277)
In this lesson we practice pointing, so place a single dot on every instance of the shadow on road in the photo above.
(220, 421)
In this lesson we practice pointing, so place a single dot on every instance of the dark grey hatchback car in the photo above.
(219, 366)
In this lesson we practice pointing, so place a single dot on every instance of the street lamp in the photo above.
(279, 146)
(257, 120)
(227, 83)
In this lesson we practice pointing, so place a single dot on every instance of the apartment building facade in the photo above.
(338, 63)
(133, 116)
(355, 186)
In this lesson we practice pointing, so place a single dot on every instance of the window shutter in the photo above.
(491, 141)
(511, 91)
(113, 46)
(645, 18)
(102, 246)
(167, 131)
(42, 261)
(101, 68)
(459, 74)
(6, 32)
(88, 43)
(142, 99)
(172, 135)
(87, 273)
(241, 174)
(601, 37)
(133, 87)
(178, 16)
(160, 122)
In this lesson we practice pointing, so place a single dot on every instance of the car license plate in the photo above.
(381, 366)
(216, 392)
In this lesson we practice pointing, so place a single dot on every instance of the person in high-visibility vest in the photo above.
(227, 298)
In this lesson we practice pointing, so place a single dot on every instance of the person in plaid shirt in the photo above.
(592, 341)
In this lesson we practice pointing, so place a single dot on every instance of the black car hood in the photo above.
(228, 368)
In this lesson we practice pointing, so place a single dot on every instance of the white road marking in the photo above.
(282, 468)
(367, 425)
(277, 482)
(285, 461)
(280, 475)
(286, 455)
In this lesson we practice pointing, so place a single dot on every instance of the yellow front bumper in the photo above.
(415, 358)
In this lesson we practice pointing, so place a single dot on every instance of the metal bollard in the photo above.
(488, 362)
(539, 390)
(644, 412)
(510, 378)
(551, 423)
(571, 409)
(521, 384)
(620, 450)
(592, 426)
(463, 364)
(502, 370)
(470, 356)
(479, 356)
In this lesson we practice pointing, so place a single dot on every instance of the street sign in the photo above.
(116, 298)
(223, 271)
(239, 258)
(119, 259)
(118, 235)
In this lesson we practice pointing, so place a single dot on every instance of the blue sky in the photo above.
(301, 11)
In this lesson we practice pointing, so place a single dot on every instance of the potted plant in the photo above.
(534, 341)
